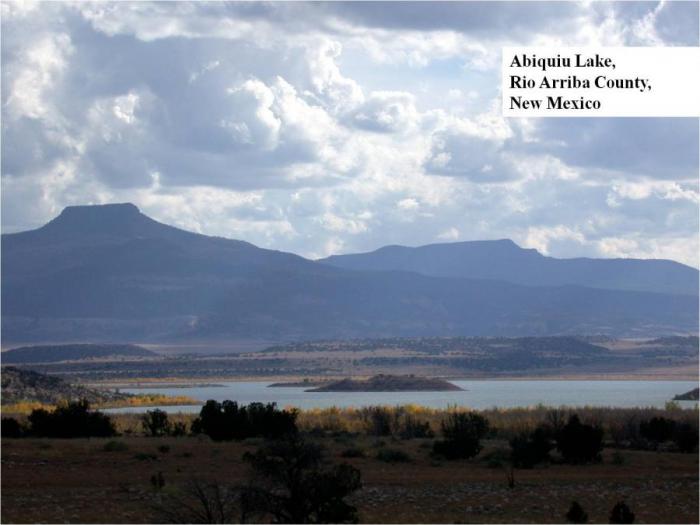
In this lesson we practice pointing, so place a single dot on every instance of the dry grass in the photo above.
(505, 422)
(77, 481)
(140, 400)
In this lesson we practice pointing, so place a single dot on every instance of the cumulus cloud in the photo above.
(326, 127)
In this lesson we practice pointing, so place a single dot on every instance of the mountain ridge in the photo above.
(495, 259)
(110, 273)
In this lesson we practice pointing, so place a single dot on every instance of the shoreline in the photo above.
(181, 382)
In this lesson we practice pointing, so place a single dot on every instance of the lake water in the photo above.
(476, 394)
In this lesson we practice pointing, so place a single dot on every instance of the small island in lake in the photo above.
(306, 382)
(388, 383)
(691, 395)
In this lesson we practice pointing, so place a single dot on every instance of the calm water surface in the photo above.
(476, 394)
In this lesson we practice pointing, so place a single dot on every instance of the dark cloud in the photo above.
(664, 148)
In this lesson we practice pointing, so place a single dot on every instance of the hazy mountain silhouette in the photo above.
(504, 260)
(111, 273)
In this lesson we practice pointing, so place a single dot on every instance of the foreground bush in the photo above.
(291, 486)
(621, 513)
(576, 514)
(579, 443)
(227, 421)
(685, 437)
(463, 433)
(155, 423)
(392, 455)
(73, 420)
(527, 450)
(198, 502)
(657, 430)
(11, 428)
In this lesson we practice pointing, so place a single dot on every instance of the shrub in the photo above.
(527, 450)
(178, 429)
(618, 458)
(292, 487)
(353, 453)
(228, 420)
(198, 502)
(70, 421)
(392, 455)
(115, 446)
(378, 420)
(657, 430)
(463, 433)
(155, 423)
(157, 481)
(579, 443)
(497, 458)
(576, 514)
(621, 513)
(145, 456)
(11, 428)
(686, 437)
(412, 428)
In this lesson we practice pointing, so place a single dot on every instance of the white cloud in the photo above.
(319, 128)
(451, 234)
(35, 73)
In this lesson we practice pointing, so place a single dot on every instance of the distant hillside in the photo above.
(24, 385)
(106, 273)
(691, 395)
(388, 383)
(74, 352)
(506, 261)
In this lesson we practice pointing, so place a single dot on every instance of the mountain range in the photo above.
(110, 273)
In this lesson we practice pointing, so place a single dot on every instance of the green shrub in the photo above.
(686, 437)
(579, 443)
(155, 423)
(115, 446)
(178, 429)
(11, 428)
(392, 455)
(353, 453)
(227, 420)
(657, 430)
(618, 458)
(412, 428)
(497, 458)
(576, 514)
(73, 420)
(291, 484)
(621, 513)
(145, 456)
(527, 450)
(463, 433)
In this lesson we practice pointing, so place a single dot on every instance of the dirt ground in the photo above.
(77, 481)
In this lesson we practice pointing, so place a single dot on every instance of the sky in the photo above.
(326, 128)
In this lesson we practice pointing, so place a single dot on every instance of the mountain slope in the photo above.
(504, 260)
(20, 385)
(57, 353)
(110, 273)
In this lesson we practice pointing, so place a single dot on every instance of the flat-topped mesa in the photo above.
(389, 383)
(105, 218)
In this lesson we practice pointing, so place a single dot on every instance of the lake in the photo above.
(476, 394)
